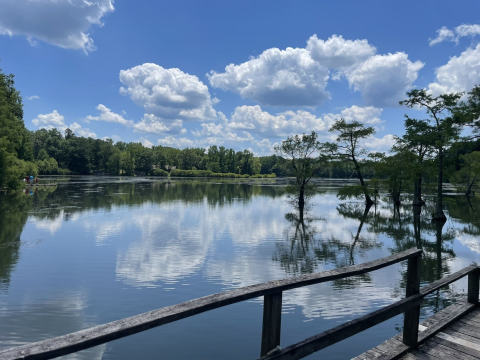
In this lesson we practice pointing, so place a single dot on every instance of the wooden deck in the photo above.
(453, 333)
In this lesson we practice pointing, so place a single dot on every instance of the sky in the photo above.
(240, 74)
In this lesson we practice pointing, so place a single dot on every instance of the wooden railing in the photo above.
(272, 293)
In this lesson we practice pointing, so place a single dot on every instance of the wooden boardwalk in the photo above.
(453, 333)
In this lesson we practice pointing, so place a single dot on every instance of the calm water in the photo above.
(94, 250)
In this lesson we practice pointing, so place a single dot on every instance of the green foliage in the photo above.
(352, 191)
(160, 172)
(208, 173)
(16, 149)
(469, 173)
(348, 147)
(304, 160)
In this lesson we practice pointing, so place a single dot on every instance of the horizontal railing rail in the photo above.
(350, 328)
(272, 292)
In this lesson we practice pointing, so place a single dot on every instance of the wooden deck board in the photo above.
(452, 333)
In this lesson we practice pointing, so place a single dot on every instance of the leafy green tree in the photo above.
(419, 140)
(445, 127)
(348, 148)
(127, 163)
(113, 164)
(305, 159)
(16, 150)
(469, 174)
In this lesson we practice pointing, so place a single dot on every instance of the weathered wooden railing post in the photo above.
(473, 286)
(272, 322)
(412, 316)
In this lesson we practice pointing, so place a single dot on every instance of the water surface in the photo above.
(93, 250)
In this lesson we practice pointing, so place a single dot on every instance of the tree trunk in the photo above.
(368, 200)
(439, 214)
(439, 227)
(417, 226)
(301, 202)
(396, 197)
(470, 186)
(417, 191)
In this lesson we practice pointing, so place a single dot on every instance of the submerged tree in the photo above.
(419, 141)
(348, 148)
(469, 173)
(305, 159)
(445, 128)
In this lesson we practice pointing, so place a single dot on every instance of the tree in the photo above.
(348, 147)
(446, 126)
(471, 110)
(16, 150)
(69, 134)
(419, 140)
(305, 159)
(469, 173)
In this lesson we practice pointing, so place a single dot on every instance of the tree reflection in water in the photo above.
(305, 247)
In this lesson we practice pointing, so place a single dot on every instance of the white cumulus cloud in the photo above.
(63, 23)
(153, 124)
(384, 79)
(367, 115)
(299, 76)
(55, 120)
(167, 93)
(445, 34)
(277, 78)
(254, 119)
(383, 144)
(338, 53)
(33, 97)
(109, 116)
(460, 73)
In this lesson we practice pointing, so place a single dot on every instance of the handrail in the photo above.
(350, 328)
(271, 291)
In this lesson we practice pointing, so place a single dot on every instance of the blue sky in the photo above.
(239, 74)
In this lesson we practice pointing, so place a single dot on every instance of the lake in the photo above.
(97, 249)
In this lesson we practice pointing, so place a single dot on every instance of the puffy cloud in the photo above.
(153, 124)
(442, 35)
(367, 115)
(254, 119)
(209, 129)
(115, 138)
(176, 142)
(77, 129)
(277, 77)
(33, 97)
(145, 142)
(298, 77)
(461, 73)
(338, 53)
(445, 34)
(384, 79)
(380, 144)
(167, 93)
(55, 120)
(64, 23)
(107, 115)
